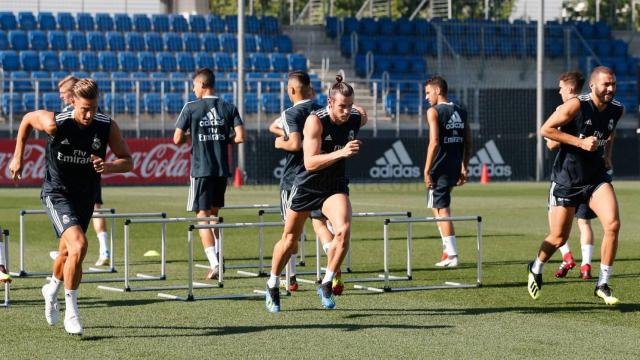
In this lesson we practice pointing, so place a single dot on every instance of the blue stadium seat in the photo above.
(4, 41)
(269, 25)
(361, 65)
(250, 102)
(387, 27)
(142, 77)
(157, 84)
(247, 63)
(250, 44)
(191, 42)
(116, 41)
(12, 103)
(29, 60)
(228, 43)
(215, 23)
(18, 40)
(57, 40)
(253, 80)
(123, 22)
(400, 64)
(331, 26)
(404, 46)
(46, 21)
(222, 84)
(89, 61)
(135, 41)
(128, 61)
(266, 44)
(97, 41)
(211, 42)
(160, 22)
(147, 61)
(173, 103)
(297, 62)
(197, 23)
(104, 22)
(603, 48)
(69, 61)
(228, 98)
(224, 63)
(277, 82)
(166, 62)
(153, 41)
(85, 22)
(38, 40)
(141, 23)
(366, 44)
(108, 61)
(178, 82)
(231, 21)
(103, 79)
(260, 62)
(620, 48)
(368, 26)
(178, 23)
(321, 99)
(49, 60)
(185, 62)
(77, 40)
(152, 103)
(82, 74)
(66, 21)
(21, 81)
(122, 81)
(405, 27)
(350, 24)
(29, 101)
(418, 65)
(279, 62)
(284, 44)
(43, 80)
(52, 101)
(8, 21)
(172, 42)
(271, 103)
(114, 103)
(385, 46)
(130, 103)
(27, 21)
(9, 60)
(252, 25)
(382, 64)
(204, 60)
(602, 30)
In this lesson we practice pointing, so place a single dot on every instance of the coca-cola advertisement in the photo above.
(155, 162)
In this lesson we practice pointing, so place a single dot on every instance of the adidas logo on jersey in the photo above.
(279, 171)
(455, 122)
(65, 142)
(588, 122)
(489, 155)
(328, 138)
(395, 163)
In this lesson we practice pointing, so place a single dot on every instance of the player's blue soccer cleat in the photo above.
(326, 296)
(272, 300)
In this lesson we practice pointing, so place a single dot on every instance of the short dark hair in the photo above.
(574, 78)
(302, 77)
(340, 87)
(86, 89)
(439, 82)
(206, 76)
(601, 69)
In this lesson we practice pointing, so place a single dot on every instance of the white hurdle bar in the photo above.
(7, 298)
(163, 222)
(220, 226)
(24, 273)
(447, 285)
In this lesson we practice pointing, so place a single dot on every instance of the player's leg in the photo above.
(586, 244)
(204, 200)
(439, 200)
(605, 206)
(323, 230)
(100, 226)
(285, 201)
(76, 247)
(4, 273)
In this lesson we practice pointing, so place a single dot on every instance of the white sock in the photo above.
(587, 253)
(71, 303)
(564, 249)
(1, 253)
(326, 247)
(328, 276)
(212, 256)
(605, 272)
(450, 245)
(292, 265)
(215, 246)
(103, 240)
(54, 285)
(537, 266)
(274, 281)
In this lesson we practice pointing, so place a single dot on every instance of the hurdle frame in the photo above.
(163, 222)
(96, 212)
(7, 286)
(448, 285)
(220, 226)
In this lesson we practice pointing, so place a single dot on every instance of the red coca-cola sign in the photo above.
(155, 162)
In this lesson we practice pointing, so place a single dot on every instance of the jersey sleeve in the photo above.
(235, 117)
(290, 122)
(184, 119)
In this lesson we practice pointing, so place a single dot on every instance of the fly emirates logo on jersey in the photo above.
(210, 127)
(78, 157)
(395, 164)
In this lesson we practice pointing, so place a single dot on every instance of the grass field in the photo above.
(498, 320)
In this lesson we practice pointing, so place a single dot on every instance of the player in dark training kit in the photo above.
(585, 128)
(329, 139)
(447, 159)
(213, 125)
(76, 148)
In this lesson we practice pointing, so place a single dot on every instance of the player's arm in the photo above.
(562, 116)
(179, 136)
(182, 126)
(466, 155)
(608, 151)
(276, 127)
(551, 144)
(313, 159)
(363, 115)
(292, 143)
(40, 120)
(119, 148)
(238, 137)
(291, 139)
(432, 148)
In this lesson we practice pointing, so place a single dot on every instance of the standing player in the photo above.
(571, 84)
(447, 159)
(580, 175)
(4, 273)
(213, 125)
(329, 139)
(76, 149)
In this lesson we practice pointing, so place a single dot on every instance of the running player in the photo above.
(4, 273)
(571, 84)
(447, 159)
(329, 139)
(580, 175)
(76, 149)
(213, 125)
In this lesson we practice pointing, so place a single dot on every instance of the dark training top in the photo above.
(452, 120)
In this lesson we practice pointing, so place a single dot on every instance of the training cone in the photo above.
(237, 180)
(151, 253)
(484, 176)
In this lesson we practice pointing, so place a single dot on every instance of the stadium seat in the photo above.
(52, 101)
(266, 44)
(247, 63)
(253, 80)
(9, 60)
(297, 62)
(114, 103)
(4, 41)
(108, 61)
(104, 22)
(284, 44)
(602, 30)
(260, 62)
(123, 22)
(404, 47)
(252, 25)
(69, 61)
(43, 80)
(321, 99)
(331, 26)
(152, 103)
(131, 102)
(97, 41)
(147, 61)
(29, 60)
(66, 21)
(173, 103)
(81, 74)
(231, 22)
(21, 81)
(228, 43)
(191, 42)
(222, 85)
(128, 61)
(350, 24)
(122, 81)
(57, 40)
(38, 40)
(160, 81)
(49, 61)
(368, 26)
(250, 102)
(18, 40)
(116, 41)
(77, 40)
(271, 103)
(228, 98)
(279, 62)
(276, 83)
(160, 22)
(85, 22)
(104, 81)
(620, 48)
(141, 23)
(27, 21)
(172, 42)
(366, 44)
(12, 103)
(185, 62)
(211, 42)
(29, 101)
(142, 78)
(204, 60)
(46, 21)
(89, 61)
(166, 62)
(178, 80)
(135, 41)
(250, 45)
(8, 21)
(197, 23)
(224, 63)
(178, 23)
(215, 23)
(153, 41)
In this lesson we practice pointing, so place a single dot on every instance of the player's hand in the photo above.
(589, 144)
(463, 177)
(15, 168)
(351, 149)
(361, 110)
(98, 164)
(427, 181)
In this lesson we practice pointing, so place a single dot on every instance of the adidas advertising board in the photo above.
(395, 163)
(490, 155)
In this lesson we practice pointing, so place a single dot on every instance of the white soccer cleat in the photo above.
(72, 325)
(51, 306)
(54, 255)
(448, 262)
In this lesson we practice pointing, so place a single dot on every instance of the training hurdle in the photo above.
(220, 226)
(24, 273)
(448, 285)
(163, 253)
(5, 244)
